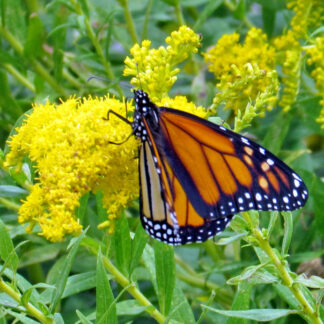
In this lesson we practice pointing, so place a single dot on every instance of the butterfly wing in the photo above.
(195, 175)
(166, 212)
(222, 172)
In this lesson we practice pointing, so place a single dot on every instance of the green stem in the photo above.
(96, 44)
(213, 250)
(9, 204)
(179, 15)
(146, 21)
(93, 246)
(24, 81)
(283, 271)
(33, 311)
(223, 296)
(232, 7)
(129, 20)
(37, 66)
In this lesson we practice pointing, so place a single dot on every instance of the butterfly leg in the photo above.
(124, 120)
(117, 115)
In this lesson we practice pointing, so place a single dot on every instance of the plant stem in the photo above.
(146, 21)
(179, 14)
(14, 72)
(93, 246)
(96, 45)
(231, 7)
(33, 311)
(283, 271)
(223, 296)
(33, 62)
(129, 20)
(9, 204)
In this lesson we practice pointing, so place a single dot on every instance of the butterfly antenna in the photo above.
(138, 76)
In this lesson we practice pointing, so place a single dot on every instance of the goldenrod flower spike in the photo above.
(316, 57)
(241, 69)
(154, 70)
(69, 144)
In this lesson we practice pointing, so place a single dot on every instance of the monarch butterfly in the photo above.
(194, 175)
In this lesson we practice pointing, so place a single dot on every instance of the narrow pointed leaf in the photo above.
(260, 315)
(165, 274)
(106, 307)
(66, 267)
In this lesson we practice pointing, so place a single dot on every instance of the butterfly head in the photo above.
(144, 109)
(142, 102)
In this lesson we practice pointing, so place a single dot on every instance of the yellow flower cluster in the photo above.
(69, 144)
(154, 70)
(228, 60)
(316, 58)
(264, 100)
(289, 55)
(309, 15)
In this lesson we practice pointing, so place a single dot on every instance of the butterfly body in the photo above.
(195, 175)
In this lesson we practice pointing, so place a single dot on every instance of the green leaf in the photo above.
(84, 7)
(254, 275)
(7, 251)
(288, 227)
(239, 12)
(277, 132)
(138, 245)
(58, 319)
(269, 19)
(11, 191)
(206, 12)
(83, 319)
(180, 307)
(80, 282)
(40, 254)
(272, 222)
(35, 37)
(122, 245)
(106, 307)
(149, 262)
(101, 210)
(231, 239)
(285, 293)
(65, 270)
(129, 308)
(318, 196)
(261, 315)
(165, 274)
(312, 282)
(2, 318)
(21, 317)
(81, 211)
(241, 300)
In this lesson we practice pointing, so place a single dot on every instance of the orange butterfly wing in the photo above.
(195, 175)
(223, 172)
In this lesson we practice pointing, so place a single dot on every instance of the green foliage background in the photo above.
(48, 50)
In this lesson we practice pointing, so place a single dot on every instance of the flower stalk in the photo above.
(263, 243)
(93, 247)
(33, 311)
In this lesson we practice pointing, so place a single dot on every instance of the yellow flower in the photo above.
(155, 69)
(309, 15)
(289, 55)
(69, 144)
(316, 59)
(228, 61)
